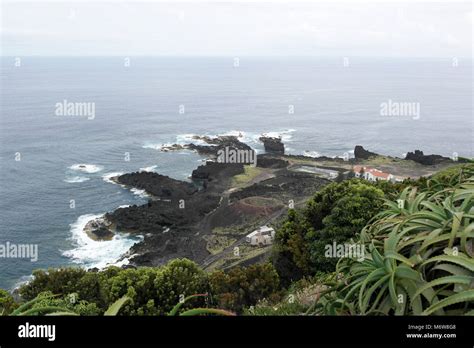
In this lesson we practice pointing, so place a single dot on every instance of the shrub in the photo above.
(334, 214)
(420, 259)
(243, 287)
(7, 303)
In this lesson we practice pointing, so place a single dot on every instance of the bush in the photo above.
(243, 287)
(152, 290)
(420, 259)
(58, 281)
(7, 303)
(335, 214)
(179, 279)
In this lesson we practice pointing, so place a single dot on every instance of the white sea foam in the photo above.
(157, 146)
(285, 135)
(23, 280)
(90, 253)
(249, 138)
(86, 168)
(108, 177)
(149, 169)
(140, 193)
(190, 138)
(76, 179)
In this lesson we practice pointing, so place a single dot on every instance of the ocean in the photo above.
(55, 166)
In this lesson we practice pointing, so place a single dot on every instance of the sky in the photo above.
(237, 28)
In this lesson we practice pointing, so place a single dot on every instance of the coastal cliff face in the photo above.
(273, 145)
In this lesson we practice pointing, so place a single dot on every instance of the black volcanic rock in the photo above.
(213, 170)
(361, 153)
(273, 145)
(216, 144)
(286, 185)
(269, 162)
(158, 185)
(419, 157)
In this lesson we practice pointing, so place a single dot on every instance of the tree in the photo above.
(243, 286)
(335, 214)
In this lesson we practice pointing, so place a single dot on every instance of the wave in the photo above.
(140, 193)
(23, 280)
(76, 179)
(149, 169)
(108, 177)
(285, 135)
(86, 168)
(249, 138)
(90, 253)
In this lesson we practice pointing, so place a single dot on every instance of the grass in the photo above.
(250, 173)
(216, 244)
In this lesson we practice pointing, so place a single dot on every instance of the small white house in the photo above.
(264, 235)
(372, 174)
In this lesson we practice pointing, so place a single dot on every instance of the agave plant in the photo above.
(197, 311)
(420, 257)
(113, 310)
(29, 309)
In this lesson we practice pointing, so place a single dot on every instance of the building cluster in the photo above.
(373, 174)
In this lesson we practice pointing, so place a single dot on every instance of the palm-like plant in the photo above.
(420, 260)
(113, 310)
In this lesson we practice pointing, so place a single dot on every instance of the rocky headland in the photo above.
(222, 202)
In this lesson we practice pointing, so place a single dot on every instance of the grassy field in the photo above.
(245, 178)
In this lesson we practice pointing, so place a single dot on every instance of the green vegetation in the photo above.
(249, 174)
(149, 291)
(417, 259)
(216, 243)
(420, 259)
(334, 214)
(240, 288)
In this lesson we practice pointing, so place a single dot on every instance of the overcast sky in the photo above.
(323, 28)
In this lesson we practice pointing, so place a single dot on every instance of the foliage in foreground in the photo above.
(35, 307)
(419, 258)
(151, 291)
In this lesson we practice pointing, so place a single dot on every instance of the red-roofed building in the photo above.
(372, 174)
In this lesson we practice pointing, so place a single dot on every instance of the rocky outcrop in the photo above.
(214, 144)
(160, 186)
(284, 186)
(263, 161)
(361, 153)
(99, 229)
(428, 160)
(273, 145)
(214, 170)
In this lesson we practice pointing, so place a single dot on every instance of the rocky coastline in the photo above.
(181, 217)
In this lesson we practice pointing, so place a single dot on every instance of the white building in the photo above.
(372, 174)
(264, 235)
